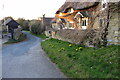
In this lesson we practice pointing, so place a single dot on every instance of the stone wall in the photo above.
(17, 33)
(114, 27)
(73, 35)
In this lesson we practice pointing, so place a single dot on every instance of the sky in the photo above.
(29, 9)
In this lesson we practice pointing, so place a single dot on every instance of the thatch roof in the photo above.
(77, 5)
(55, 20)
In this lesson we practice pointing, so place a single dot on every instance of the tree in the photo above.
(24, 23)
(36, 27)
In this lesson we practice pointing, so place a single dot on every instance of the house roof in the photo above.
(7, 21)
(54, 20)
(77, 5)
(11, 23)
(47, 21)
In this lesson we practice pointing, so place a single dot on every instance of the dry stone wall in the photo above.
(74, 36)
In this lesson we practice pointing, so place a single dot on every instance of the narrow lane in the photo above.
(27, 60)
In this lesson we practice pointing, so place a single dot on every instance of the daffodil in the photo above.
(70, 45)
(80, 48)
(76, 49)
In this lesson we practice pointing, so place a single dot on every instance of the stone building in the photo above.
(102, 17)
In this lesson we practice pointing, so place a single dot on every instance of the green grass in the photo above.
(40, 35)
(22, 38)
(77, 61)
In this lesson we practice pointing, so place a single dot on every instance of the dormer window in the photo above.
(60, 14)
(72, 10)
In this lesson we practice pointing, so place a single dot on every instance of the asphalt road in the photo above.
(27, 60)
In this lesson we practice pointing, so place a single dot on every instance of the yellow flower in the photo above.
(76, 49)
(70, 45)
(80, 48)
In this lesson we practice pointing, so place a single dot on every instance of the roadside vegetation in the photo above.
(24, 23)
(77, 61)
(43, 36)
(21, 38)
(37, 29)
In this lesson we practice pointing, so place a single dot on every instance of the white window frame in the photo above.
(85, 23)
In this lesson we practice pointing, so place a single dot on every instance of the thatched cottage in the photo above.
(59, 23)
(100, 16)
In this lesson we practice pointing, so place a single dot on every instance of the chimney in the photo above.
(43, 19)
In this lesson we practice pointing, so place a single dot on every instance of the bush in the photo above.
(43, 36)
(37, 27)
(24, 24)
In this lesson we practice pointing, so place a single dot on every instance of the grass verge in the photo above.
(40, 35)
(76, 61)
(22, 38)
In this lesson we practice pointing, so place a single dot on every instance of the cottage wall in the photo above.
(98, 18)
(114, 27)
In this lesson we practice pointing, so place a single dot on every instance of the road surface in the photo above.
(27, 60)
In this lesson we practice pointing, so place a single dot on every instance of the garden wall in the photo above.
(74, 36)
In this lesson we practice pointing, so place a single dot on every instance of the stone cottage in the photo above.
(100, 17)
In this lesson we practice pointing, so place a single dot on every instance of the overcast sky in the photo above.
(29, 9)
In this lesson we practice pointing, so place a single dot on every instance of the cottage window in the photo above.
(84, 23)
(60, 14)
(71, 11)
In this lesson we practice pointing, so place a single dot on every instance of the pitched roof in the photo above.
(7, 21)
(11, 23)
(77, 5)
(47, 21)
(54, 20)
